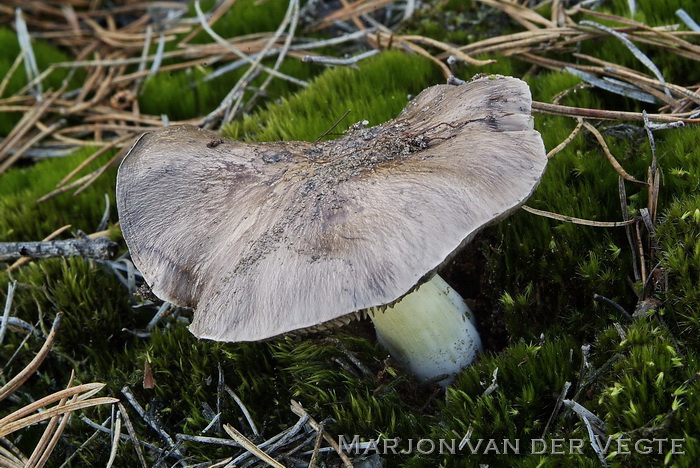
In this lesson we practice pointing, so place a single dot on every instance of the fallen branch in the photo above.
(101, 248)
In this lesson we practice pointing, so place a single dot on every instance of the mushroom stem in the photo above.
(430, 331)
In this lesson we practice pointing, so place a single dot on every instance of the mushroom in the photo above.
(261, 239)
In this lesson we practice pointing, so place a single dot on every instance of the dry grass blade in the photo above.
(527, 17)
(97, 173)
(85, 391)
(31, 142)
(601, 114)
(77, 183)
(446, 72)
(11, 72)
(27, 372)
(459, 54)
(10, 455)
(54, 411)
(617, 87)
(567, 140)
(350, 10)
(640, 251)
(24, 125)
(222, 8)
(618, 167)
(291, 19)
(632, 48)
(26, 44)
(8, 305)
(8, 460)
(92, 157)
(115, 440)
(51, 434)
(628, 229)
(251, 447)
(571, 219)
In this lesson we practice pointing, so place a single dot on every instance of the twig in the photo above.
(208, 440)
(557, 407)
(333, 61)
(105, 430)
(159, 56)
(8, 305)
(132, 435)
(317, 446)
(594, 441)
(237, 52)
(292, 18)
(494, 383)
(102, 248)
(163, 311)
(584, 384)
(276, 441)
(614, 304)
(359, 364)
(155, 425)
(299, 411)
(243, 408)
(584, 413)
(251, 447)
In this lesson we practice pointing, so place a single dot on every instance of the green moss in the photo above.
(23, 219)
(678, 236)
(376, 92)
(653, 12)
(244, 17)
(196, 97)
(649, 392)
(530, 377)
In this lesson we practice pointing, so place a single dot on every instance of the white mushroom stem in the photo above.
(430, 331)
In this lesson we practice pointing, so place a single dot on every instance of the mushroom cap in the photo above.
(265, 238)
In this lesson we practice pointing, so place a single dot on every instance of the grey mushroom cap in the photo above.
(261, 239)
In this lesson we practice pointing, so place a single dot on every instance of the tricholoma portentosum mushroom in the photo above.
(261, 239)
